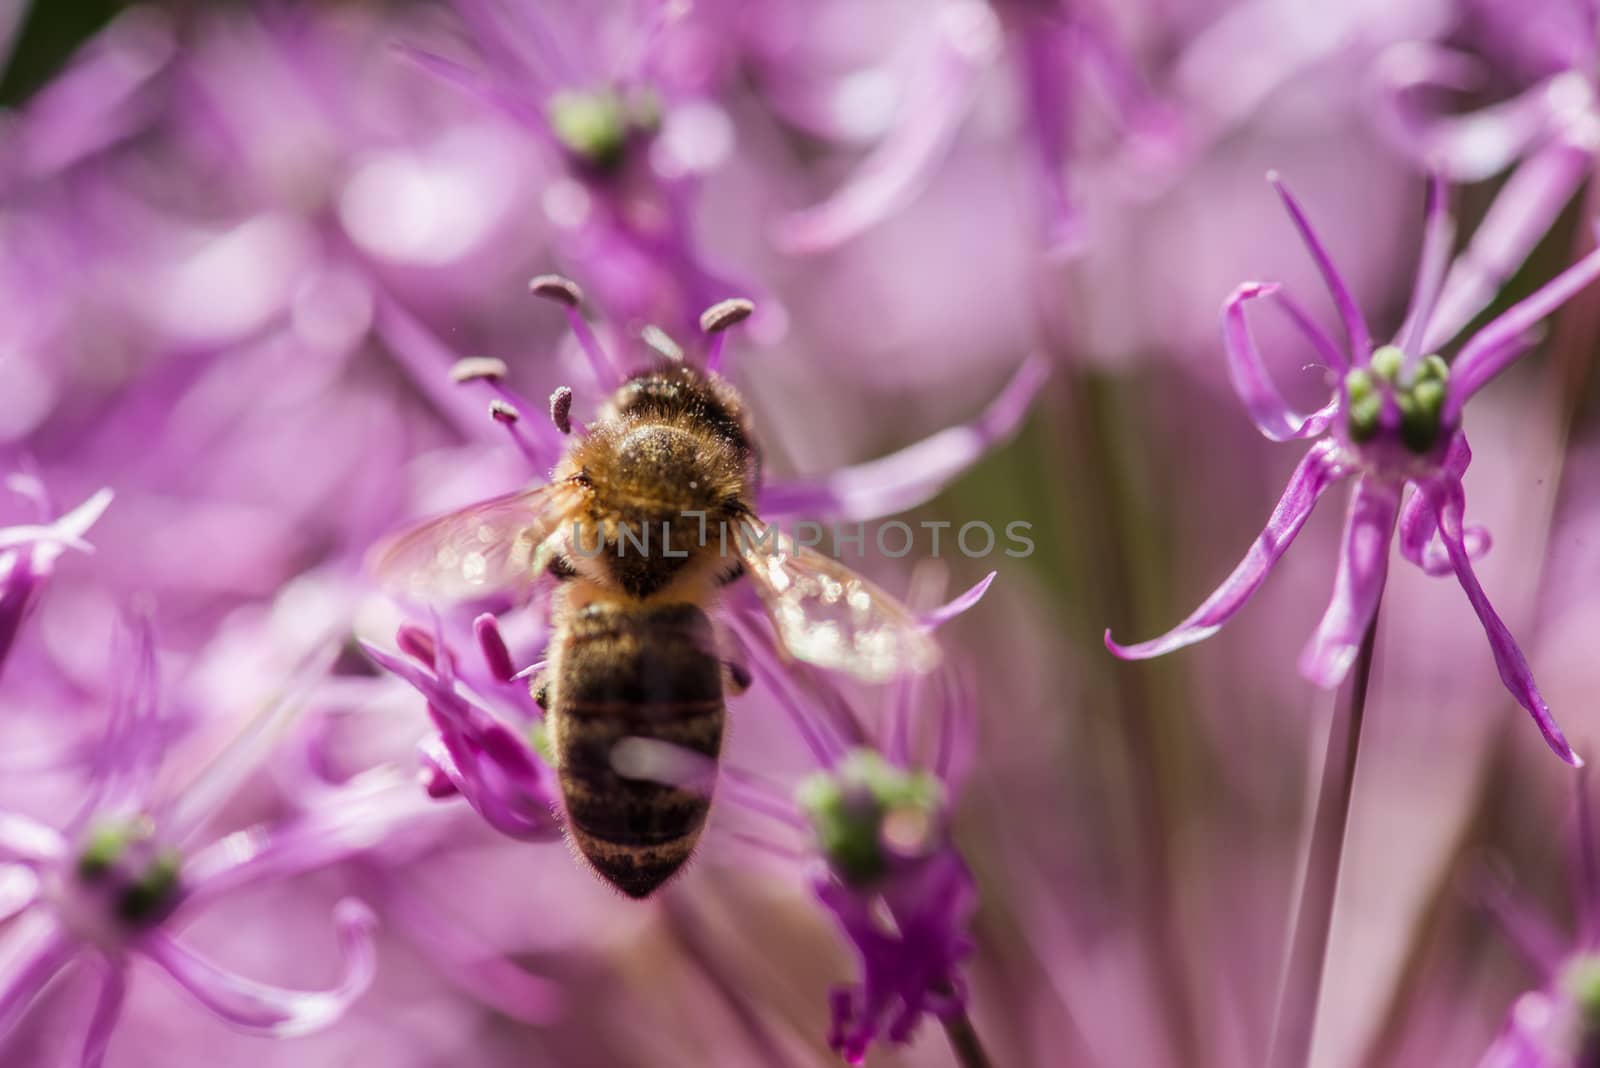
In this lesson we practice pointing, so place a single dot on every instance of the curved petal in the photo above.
(1449, 502)
(107, 1011)
(1438, 234)
(363, 814)
(917, 472)
(1494, 347)
(1270, 412)
(1419, 525)
(1356, 333)
(964, 39)
(271, 1010)
(1357, 585)
(943, 614)
(35, 950)
(1321, 467)
(1469, 147)
(1521, 214)
(25, 839)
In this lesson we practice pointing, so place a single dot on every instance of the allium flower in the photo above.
(876, 823)
(1057, 47)
(631, 135)
(1394, 421)
(116, 880)
(28, 553)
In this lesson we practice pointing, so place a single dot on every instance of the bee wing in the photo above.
(484, 548)
(828, 615)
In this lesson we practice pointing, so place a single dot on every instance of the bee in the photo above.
(647, 517)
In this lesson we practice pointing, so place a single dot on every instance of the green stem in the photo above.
(1308, 952)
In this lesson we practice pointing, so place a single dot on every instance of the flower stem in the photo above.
(1308, 951)
(964, 1041)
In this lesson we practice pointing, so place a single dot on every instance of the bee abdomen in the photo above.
(639, 718)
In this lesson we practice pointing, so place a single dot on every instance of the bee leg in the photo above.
(732, 574)
(561, 568)
(540, 689)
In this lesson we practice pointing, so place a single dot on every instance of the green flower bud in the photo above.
(867, 810)
(1366, 405)
(592, 126)
(151, 895)
(1387, 361)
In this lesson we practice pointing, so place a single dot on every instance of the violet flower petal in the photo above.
(962, 43)
(1494, 347)
(1321, 467)
(1357, 585)
(1469, 147)
(1357, 336)
(1332, 356)
(272, 1010)
(1251, 381)
(1419, 525)
(938, 617)
(24, 838)
(35, 950)
(1520, 216)
(1449, 502)
(107, 1011)
(1438, 234)
(914, 474)
(360, 815)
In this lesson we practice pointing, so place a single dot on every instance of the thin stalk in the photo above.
(964, 1041)
(1308, 952)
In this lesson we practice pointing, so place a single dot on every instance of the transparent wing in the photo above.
(485, 548)
(828, 615)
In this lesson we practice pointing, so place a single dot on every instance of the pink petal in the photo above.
(1355, 325)
(962, 42)
(1270, 412)
(107, 1011)
(1438, 234)
(916, 473)
(272, 1010)
(1470, 147)
(1419, 525)
(24, 838)
(1357, 585)
(1521, 214)
(1321, 467)
(35, 950)
(1449, 502)
(938, 617)
(1494, 347)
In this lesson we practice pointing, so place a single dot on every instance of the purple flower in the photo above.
(1393, 421)
(28, 553)
(631, 134)
(1556, 1025)
(497, 769)
(115, 881)
(875, 826)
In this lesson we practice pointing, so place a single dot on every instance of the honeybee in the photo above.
(634, 653)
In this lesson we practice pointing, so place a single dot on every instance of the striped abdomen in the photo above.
(636, 692)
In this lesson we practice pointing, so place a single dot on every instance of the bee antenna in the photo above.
(561, 409)
(715, 321)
